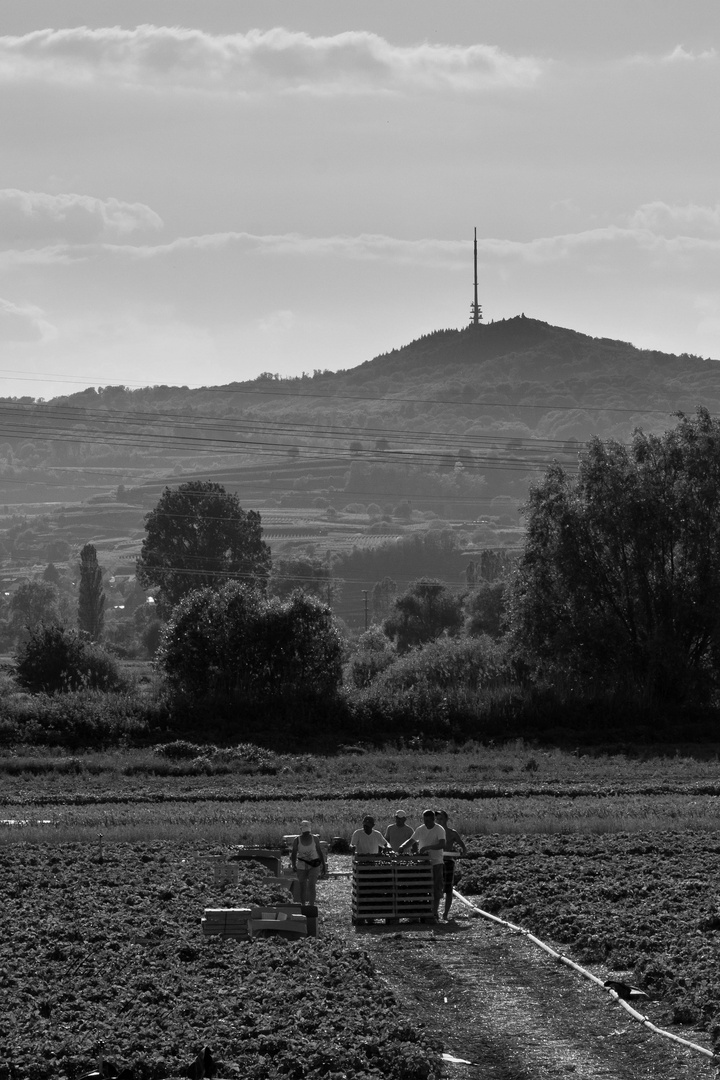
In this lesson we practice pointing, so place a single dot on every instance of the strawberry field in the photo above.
(103, 957)
(645, 904)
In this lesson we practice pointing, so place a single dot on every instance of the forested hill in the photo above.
(516, 386)
(519, 377)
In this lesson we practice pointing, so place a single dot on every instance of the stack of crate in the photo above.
(283, 920)
(225, 873)
(227, 922)
(400, 887)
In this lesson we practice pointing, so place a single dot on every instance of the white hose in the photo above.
(587, 975)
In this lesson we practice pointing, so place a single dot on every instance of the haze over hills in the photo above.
(449, 429)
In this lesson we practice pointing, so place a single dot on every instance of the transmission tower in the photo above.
(475, 309)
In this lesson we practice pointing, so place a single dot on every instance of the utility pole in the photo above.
(475, 309)
(365, 592)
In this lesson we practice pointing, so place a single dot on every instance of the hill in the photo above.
(446, 432)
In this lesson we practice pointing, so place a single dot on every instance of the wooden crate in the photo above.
(400, 887)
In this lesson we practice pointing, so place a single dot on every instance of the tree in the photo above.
(383, 595)
(619, 582)
(51, 574)
(234, 642)
(198, 536)
(305, 572)
(32, 603)
(54, 659)
(91, 595)
(423, 613)
(485, 609)
(375, 653)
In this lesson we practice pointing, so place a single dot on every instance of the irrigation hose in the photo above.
(588, 975)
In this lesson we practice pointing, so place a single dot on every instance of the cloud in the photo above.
(682, 55)
(32, 217)
(656, 228)
(22, 323)
(354, 61)
(677, 56)
(688, 220)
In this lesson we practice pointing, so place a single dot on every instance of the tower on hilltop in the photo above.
(475, 309)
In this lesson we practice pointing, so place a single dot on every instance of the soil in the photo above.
(492, 998)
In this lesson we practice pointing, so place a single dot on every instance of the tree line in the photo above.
(607, 620)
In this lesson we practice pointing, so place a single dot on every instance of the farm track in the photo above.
(490, 997)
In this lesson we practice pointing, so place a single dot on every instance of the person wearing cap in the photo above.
(307, 858)
(453, 842)
(398, 832)
(368, 840)
(430, 839)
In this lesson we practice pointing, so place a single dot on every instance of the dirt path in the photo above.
(493, 998)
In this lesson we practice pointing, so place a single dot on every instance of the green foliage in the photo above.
(91, 595)
(427, 610)
(198, 536)
(619, 583)
(54, 659)
(81, 719)
(383, 594)
(51, 574)
(485, 609)
(32, 603)
(312, 575)
(449, 688)
(236, 643)
(375, 653)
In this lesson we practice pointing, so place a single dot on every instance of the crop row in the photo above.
(273, 790)
(103, 958)
(646, 904)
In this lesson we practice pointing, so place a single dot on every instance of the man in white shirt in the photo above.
(399, 832)
(430, 839)
(368, 841)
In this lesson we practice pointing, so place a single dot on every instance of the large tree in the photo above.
(32, 603)
(198, 536)
(91, 595)
(234, 642)
(427, 610)
(619, 582)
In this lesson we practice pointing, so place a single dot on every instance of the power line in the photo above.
(255, 391)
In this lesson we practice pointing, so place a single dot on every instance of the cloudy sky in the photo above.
(196, 191)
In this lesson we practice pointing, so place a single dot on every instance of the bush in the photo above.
(375, 653)
(81, 719)
(450, 688)
(54, 659)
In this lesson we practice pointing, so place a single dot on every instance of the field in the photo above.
(104, 966)
(613, 857)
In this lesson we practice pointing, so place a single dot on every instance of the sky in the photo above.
(194, 192)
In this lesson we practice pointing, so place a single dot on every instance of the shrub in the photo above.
(54, 659)
(448, 688)
(80, 719)
(374, 655)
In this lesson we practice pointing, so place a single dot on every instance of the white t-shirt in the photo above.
(368, 843)
(424, 836)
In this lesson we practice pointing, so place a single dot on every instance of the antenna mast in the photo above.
(475, 309)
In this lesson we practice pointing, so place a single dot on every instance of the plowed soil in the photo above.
(494, 999)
